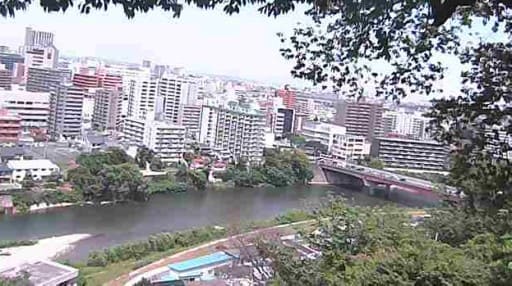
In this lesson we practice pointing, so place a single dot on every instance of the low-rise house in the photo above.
(11, 153)
(37, 169)
(94, 142)
(5, 174)
(44, 273)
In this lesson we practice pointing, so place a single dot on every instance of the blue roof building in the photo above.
(197, 269)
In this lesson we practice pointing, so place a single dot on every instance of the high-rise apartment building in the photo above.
(360, 118)
(5, 78)
(46, 57)
(408, 154)
(10, 127)
(408, 124)
(35, 38)
(66, 102)
(107, 108)
(166, 139)
(43, 79)
(172, 98)
(32, 107)
(283, 121)
(190, 118)
(235, 128)
(175, 91)
(142, 98)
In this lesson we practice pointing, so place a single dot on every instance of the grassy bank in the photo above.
(105, 265)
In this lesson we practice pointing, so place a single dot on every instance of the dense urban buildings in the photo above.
(32, 107)
(360, 117)
(10, 127)
(66, 103)
(408, 154)
(239, 129)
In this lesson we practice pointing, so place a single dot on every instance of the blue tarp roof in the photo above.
(214, 258)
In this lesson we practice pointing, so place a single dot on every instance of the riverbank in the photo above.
(46, 248)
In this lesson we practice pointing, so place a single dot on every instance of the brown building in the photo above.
(360, 118)
(10, 127)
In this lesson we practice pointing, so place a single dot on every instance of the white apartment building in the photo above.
(190, 118)
(326, 133)
(351, 148)
(142, 95)
(341, 145)
(235, 128)
(133, 130)
(176, 92)
(32, 107)
(37, 169)
(166, 139)
(35, 38)
(410, 124)
(65, 121)
(163, 137)
(41, 57)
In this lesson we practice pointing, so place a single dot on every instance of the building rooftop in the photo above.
(22, 95)
(95, 139)
(10, 152)
(199, 262)
(43, 272)
(31, 164)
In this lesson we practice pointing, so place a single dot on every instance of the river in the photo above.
(115, 224)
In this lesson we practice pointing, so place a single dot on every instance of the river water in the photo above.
(115, 224)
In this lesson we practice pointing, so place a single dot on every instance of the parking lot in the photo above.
(59, 153)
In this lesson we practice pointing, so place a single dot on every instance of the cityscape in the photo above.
(116, 173)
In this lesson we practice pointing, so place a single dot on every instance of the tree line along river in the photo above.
(114, 224)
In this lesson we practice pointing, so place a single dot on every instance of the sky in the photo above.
(243, 45)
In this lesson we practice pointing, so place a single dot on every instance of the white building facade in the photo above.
(166, 139)
(32, 107)
(237, 129)
(339, 144)
(36, 169)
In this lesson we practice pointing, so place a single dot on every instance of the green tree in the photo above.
(143, 282)
(21, 280)
(376, 164)
(363, 246)
(144, 156)
(297, 140)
